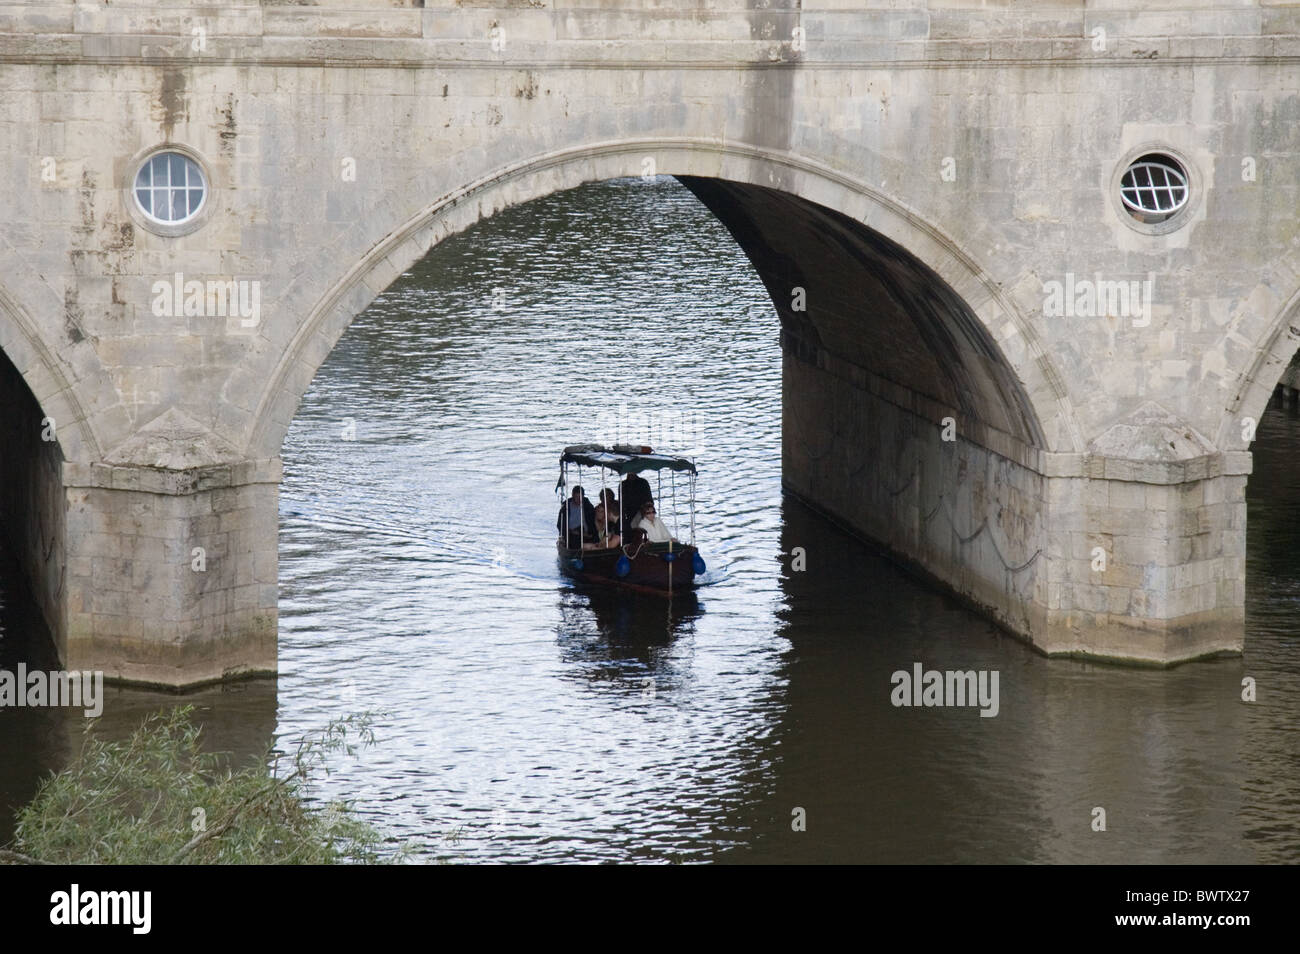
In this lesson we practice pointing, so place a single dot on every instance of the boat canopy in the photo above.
(623, 461)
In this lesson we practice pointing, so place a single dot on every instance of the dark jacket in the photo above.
(635, 492)
(588, 519)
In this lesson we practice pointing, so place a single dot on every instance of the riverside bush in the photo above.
(157, 798)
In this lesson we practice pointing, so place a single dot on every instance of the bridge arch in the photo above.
(42, 426)
(1009, 340)
(1273, 354)
(46, 381)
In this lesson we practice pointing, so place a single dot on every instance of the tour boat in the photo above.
(660, 567)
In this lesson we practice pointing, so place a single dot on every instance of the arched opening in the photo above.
(1007, 342)
(1262, 418)
(954, 388)
(1271, 532)
(417, 535)
(1267, 542)
(44, 430)
(32, 521)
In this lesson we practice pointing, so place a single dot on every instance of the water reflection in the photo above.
(625, 618)
(616, 639)
(1160, 751)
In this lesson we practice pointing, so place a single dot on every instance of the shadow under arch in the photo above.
(32, 518)
(1030, 379)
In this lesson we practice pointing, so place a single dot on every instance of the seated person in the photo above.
(606, 531)
(648, 520)
(636, 491)
(610, 503)
(577, 520)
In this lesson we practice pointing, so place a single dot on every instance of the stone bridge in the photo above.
(1033, 391)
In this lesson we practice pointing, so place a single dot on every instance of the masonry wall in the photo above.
(1127, 560)
(861, 451)
(285, 100)
(1146, 569)
(173, 575)
(31, 499)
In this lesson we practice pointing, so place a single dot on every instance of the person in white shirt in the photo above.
(647, 520)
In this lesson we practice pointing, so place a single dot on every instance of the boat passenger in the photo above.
(606, 531)
(611, 509)
(636, 491)
(577, 519)
(648, 520)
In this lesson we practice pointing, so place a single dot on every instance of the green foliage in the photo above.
(156, 798)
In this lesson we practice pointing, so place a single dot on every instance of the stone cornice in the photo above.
(159, 480)
(658, 38)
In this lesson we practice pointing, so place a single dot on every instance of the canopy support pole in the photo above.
(692, 507)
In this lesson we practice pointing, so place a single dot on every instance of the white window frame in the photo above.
(191, 167)
(1173, 186)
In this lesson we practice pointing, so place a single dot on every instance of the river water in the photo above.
(526, 720)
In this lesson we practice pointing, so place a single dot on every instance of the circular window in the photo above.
(1154, 188)
(170, 188)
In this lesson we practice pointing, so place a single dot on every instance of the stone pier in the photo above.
(172, 573)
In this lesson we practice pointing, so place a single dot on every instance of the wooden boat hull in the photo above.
(649, 567)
